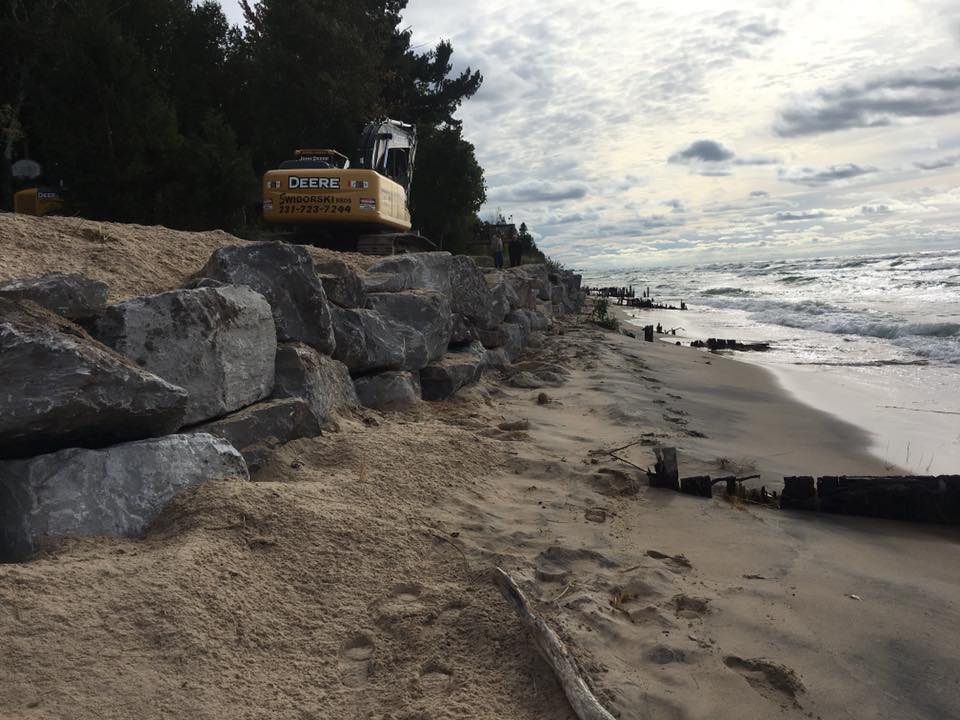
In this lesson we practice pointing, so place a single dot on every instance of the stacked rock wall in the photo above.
(101, 425)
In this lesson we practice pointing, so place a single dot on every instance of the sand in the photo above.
(350, 578)
(132, 259)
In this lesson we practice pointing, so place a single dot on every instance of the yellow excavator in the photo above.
(363, 208)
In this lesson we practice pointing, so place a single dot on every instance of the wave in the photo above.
(713, 292)
(798, 279)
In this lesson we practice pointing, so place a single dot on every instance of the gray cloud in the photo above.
(709, 151)
(676, 204)
(876, 210)
(811, 177)
(539, 191)
(710, 158)
(926, 92)
(759, 194)
(949, 161)
(756, 160)
(789, 216)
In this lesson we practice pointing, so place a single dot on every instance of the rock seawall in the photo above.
(98, 431)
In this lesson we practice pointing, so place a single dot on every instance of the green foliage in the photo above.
(448, 187)
(157, 111)
(601, 316)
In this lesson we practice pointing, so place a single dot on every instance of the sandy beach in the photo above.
(352, 577)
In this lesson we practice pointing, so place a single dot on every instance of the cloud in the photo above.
(708, 151)
(937, 164)
(790, 216)
(757, 160)
(926, 92)
(759, 194)
(876, 210)
(811, 177)
(710, 158)
(676, 204)
(539, 191)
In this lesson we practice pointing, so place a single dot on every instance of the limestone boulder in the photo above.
(61, 388)
(324, 383)
(426, 311)
(218, 343)
(341, 283)
(118, 490)
(471, 298)
(389, 390)
(515, 339)
(504, 289)
(462, 330)
(74, 297)
(381, 282)
(497, 358)
(419, 271)
(286, 276)
(367, 342)
(442, 378)
(256, 429)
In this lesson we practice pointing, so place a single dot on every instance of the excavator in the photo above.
(363, 208)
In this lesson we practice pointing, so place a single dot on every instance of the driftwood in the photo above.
(555, 652)
(717, 344)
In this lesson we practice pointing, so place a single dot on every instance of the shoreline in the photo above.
(892, 404)
(781, 414)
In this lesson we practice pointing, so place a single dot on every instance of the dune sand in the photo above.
(351, 578)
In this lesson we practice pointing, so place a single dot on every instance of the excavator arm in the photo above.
(389, 147)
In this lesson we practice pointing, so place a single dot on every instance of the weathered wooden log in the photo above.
(665, 472)
(913, 498)
(555, 652)
(699, 485)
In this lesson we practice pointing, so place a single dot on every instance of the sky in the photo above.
(648, 133)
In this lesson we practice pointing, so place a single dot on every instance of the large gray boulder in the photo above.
(471, 298)
(442, 378)
(367, 341)
(388, 390)
(323, 382)
(258, 428)
(462, 330)
(425, 311)
(503, 297)
(117, 491)
(61, 388)
(381, 282)
(74, 297)
(419, 271)
(285, 275)
(341, 283)
(218, 343)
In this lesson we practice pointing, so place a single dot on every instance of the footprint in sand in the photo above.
(403, 601)
(690, 608)
(677, 564)
(435, 678)
(773, 681)
(354, 660)
(451, 611)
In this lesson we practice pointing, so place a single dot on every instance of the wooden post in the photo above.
(665, 474)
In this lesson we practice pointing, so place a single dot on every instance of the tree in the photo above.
(448, 187)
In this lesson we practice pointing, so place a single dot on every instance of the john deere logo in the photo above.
(313, 183)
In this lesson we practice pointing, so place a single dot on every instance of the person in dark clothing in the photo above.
(496, 246)
(516, 251)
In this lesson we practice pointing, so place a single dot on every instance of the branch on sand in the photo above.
(555, 652)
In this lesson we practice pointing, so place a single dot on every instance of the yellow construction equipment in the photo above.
(363, 208)
(38, 201)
